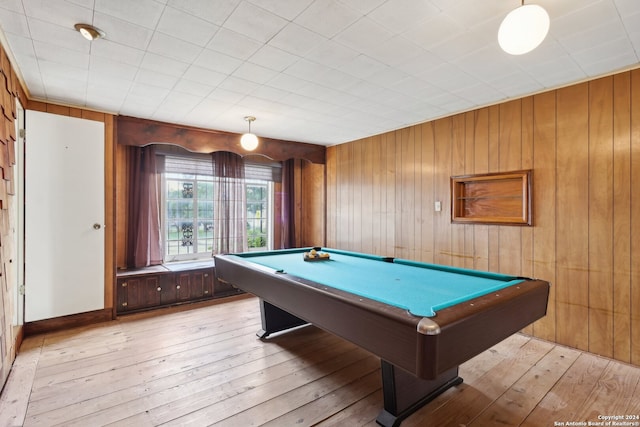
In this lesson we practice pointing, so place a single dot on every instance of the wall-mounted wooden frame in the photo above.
(493, 198)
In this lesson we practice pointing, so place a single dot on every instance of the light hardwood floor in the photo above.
(205, 366)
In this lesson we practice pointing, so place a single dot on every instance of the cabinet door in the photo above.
(138, 293)
(207, 285)
(184, 283)
(168, 286)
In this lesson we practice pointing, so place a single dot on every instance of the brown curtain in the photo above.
(230, 206)
(143, 239)
(287, 219)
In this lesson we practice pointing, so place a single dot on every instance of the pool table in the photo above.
(422, 320)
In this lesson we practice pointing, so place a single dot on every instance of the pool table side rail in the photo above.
(392, 333)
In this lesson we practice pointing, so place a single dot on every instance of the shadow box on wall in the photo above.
(502, 198)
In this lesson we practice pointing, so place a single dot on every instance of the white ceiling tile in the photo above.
(363, 35)
(287, 82)
(14, 23)
(152, 61)
(288, 9)
(397, 15)
(226, 96)
(164, 45)
(388, 63)
(235, 84)
(122, 32)
(63, 37)
(234, 44)
(124, 56)
(270, 93)
(395, 50)
(254, 22)
(204, 76)
(306, 70)
(217, 61)
(105, 66)
(58, 12)
(296, 40)
(215, 12)
(254, 73)
(327, 18)
(273, 58)
(155, 78)
(362, 6)
(184, 26)
(331, 54)
(12, 5)
(363, 66)
(193, 88)
(145, 13)
(433, 30)
(588, 15)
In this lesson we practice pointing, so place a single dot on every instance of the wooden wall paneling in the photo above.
(544, 205)
(297, 201)
(526, 233)
(418, 203)
(109, 206)
(622, 217)
(493, 233)
(442, 190)
(635, 216)
(377, 172)
(332, 195)
(481, 165)
(366, 218)
(469, 162)
(601, 216)
(458, 156)
(427, 173)
(313, 204)
(572, 223)
(510, 158)
(357, 210)
(392, 199)
(344, 197)
(121, 203)
(405, 188)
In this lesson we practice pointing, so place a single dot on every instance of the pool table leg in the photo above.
(275, 320)
(404, 393)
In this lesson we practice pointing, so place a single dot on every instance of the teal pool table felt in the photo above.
(418, 287)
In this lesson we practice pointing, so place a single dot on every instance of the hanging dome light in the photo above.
(523, 29)
(249, 141)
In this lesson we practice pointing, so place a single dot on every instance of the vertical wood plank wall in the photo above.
(583, 144)
(9, 90)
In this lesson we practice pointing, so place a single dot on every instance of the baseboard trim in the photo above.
(69, 321)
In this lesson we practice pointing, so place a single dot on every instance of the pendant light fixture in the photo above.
(523, 29)
(249, 141)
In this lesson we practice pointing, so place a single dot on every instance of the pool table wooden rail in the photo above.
(453, 336)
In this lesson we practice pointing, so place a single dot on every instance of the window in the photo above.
(188, 211)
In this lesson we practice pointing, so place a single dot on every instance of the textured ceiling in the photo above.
(319, 71)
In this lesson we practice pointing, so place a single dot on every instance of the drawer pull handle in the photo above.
(178, 287)
(124, 284)
(159, 289)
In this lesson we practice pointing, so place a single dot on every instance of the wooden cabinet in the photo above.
(162, 286)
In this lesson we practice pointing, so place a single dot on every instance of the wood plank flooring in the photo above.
(205, 366)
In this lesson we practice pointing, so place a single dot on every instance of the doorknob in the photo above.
(96, 226)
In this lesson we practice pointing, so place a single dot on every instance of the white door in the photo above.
(64, 215)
